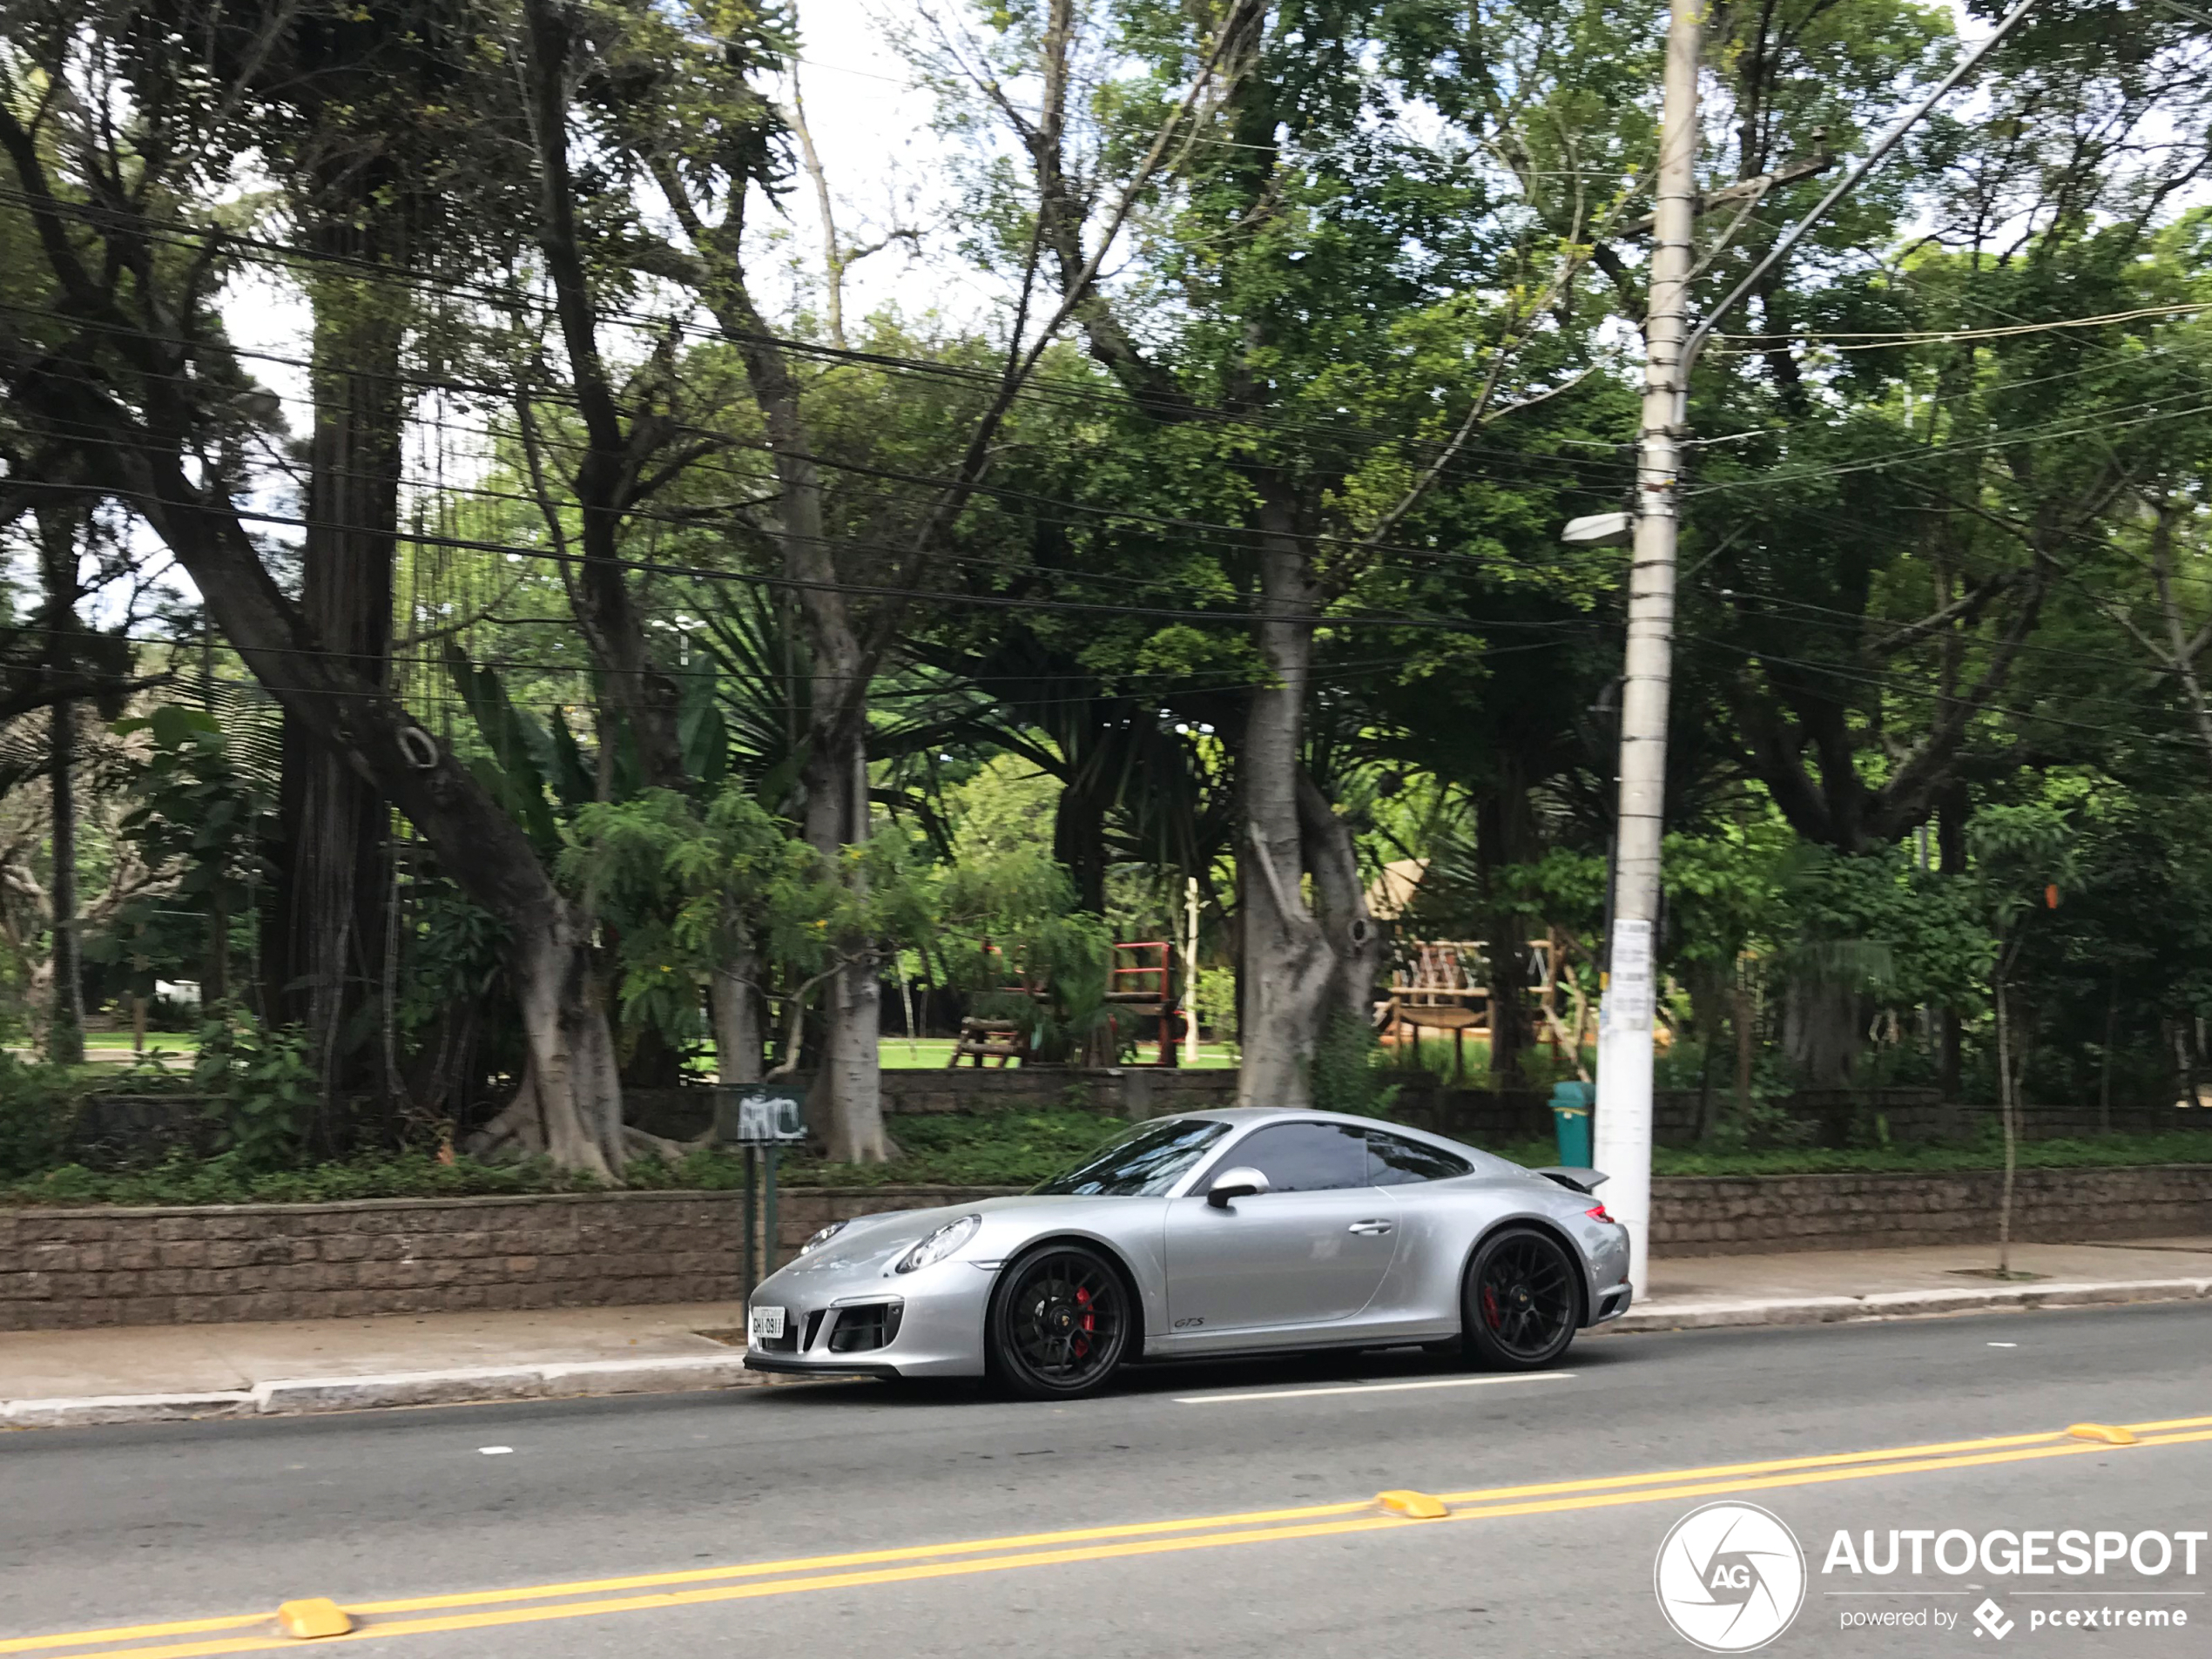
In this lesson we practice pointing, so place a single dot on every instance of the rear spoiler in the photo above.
(1575, 1180)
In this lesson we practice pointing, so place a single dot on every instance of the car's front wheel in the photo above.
(1059, 1323)
(1521, 1302)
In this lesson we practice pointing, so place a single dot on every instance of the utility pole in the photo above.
(1623, 1145)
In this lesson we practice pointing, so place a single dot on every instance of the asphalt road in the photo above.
(160, 1526)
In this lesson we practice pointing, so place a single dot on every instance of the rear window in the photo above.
(1393, 1161)
(1142, 1165)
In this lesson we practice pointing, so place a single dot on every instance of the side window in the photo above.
(1395, 1163)
(1305, 1157)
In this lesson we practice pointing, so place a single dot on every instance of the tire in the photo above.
(1059, 1325)
(1520, 1303)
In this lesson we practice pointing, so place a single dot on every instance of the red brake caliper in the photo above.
(1490, 1312)
(1090, 1321)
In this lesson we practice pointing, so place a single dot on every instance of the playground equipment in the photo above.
(1444, 985)
(1140, 981)
(1142, 988)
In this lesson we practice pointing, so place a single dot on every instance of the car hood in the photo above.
(871, 1244)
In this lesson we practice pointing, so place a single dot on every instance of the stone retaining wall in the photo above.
(1747, 1215)
(226, 1261)
(163, 1266)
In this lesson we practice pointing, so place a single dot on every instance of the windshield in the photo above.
(1143, 1164)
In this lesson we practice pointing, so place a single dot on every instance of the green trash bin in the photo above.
(1571, 1104)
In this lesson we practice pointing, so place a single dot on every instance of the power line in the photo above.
(1185, 525)
(263, 251)
(1324, 619)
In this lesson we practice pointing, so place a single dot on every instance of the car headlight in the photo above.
(823, 1236)
(944, 1242)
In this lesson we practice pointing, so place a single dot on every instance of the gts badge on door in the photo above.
(1188, 1324)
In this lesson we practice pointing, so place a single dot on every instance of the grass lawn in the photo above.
(924, 1053)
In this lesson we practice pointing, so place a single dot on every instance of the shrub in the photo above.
(1348, 1071)
(36, 1106)
(263, 1084)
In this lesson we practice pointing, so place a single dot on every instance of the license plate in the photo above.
(766, 1322)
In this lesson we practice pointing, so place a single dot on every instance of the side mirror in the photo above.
(1240, 1183)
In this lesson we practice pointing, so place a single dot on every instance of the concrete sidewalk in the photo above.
(148, 1374)
(1820, 1287)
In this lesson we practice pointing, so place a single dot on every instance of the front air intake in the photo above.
(861, 1329)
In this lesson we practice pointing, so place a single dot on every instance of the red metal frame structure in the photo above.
(1156, 998)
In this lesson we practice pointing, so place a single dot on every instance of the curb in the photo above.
(691, 1373)
(305, 1396)
(1903, 1305)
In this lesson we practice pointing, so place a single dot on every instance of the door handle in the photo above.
(1369, 1227)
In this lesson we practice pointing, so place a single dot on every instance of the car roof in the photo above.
(1244, 1116)
(1262, 1114)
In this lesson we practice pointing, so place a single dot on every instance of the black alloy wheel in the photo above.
(1059, 1323)
(1522, 1302)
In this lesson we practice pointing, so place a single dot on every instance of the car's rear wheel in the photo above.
(1521, 1302)
(1059, 1323)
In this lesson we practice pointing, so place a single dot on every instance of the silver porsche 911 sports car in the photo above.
(1225, 1232)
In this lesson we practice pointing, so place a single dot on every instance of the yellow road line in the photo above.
(133, 1632)
(1089, 1544)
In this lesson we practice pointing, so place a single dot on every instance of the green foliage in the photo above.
(1009, 933)
(2106, 1152)
(1347, 1073)
(524, 757)
(263, 1079)
(952, 1149)
(199, 811)
(234, 1179)
(2024, 854)
(37, 1103)
(685, 892)
(1218, 1002)
(995, 1149)
(453, 955)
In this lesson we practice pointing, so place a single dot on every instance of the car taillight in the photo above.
(1596, 1212)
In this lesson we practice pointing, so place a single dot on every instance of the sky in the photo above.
(886, 167)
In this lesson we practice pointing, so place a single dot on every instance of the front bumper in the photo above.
(939, 1330)
(787, 1365)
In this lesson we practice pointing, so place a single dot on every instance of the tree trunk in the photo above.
(572, 1093)
(849, 1084)
(618, 446)
(328, 914)
(1744, 1018)
(1079, 837)
(1506, 835)
(1821, 1030)
(571, 1048)
(1708, 1007)
(1288, 967)
(66, 1030)
(2008, 1111)
(57, 529)
(734, 1008)
(1341, 901)
(1951, 859)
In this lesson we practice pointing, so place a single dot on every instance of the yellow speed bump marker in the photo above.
(2104, 1432)
(316, 1616)
(1417, 1505)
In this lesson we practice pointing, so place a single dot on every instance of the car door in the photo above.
(1312, 1249)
